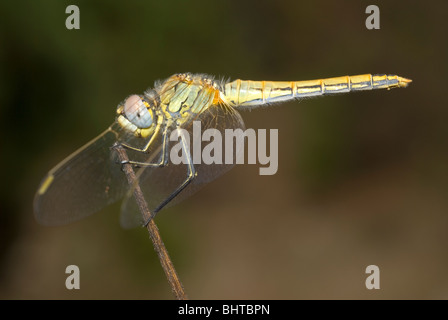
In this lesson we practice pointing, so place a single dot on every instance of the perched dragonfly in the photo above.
(91, 178)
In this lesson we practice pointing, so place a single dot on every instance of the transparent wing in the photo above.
(158, 183)
(82, 184)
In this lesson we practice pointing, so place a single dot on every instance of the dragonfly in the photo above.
(92, 178)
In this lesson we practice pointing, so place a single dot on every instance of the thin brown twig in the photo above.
(159, 247)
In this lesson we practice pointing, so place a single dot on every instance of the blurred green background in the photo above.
(362, 179)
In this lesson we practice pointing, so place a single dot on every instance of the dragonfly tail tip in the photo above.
(403, 82)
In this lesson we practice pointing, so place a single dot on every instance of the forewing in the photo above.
(82, 184)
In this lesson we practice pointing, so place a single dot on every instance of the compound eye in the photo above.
(136, 112)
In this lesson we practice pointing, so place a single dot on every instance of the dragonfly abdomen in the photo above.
(248, 94)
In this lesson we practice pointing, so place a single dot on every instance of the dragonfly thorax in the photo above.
(184, 96)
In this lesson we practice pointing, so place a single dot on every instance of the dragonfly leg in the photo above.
(146, 148)
(163, 160)
(191, 174)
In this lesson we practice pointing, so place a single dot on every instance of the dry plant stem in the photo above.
(159, 247)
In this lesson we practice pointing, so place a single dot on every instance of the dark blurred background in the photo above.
(362, 178)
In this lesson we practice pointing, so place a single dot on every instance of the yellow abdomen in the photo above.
(248, 94)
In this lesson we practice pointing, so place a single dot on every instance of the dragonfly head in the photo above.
(136, 115)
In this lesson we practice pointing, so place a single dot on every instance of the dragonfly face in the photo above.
(91, 178)
(137, 115)
(138, 111)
